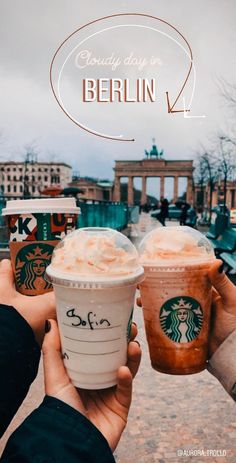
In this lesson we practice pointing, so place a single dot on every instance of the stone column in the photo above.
(116, 195)
(176, 188)
(214, 198)
(189, 196)
(162, 186)
(233, 198)
(229, 198)
(130, 191)
(144, 191)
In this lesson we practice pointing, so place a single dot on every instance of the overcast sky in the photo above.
(31, 31)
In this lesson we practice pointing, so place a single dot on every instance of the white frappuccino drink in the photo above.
(94, 272)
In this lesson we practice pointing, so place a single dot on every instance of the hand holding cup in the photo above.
(223, 306)
(35, 310)
(107, 409)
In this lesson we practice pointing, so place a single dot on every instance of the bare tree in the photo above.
(208, 162)
(228, 139)
(201, 180)
(226, 163)
(228, 92)
(219, 163)
(208, 172)
(30, 157)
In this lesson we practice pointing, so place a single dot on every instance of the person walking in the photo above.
(184, 214)
(164, 211)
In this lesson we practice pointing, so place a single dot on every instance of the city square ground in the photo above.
(169, 414)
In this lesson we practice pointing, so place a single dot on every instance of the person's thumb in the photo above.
(55, 375)
(45, 304)
(221, 282)
(6, 273)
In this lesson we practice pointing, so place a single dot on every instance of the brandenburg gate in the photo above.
(153, 166)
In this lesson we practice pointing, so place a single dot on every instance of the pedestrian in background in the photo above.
(184, 213)
(164, 211)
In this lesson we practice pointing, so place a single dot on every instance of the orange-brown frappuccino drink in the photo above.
(176, 298)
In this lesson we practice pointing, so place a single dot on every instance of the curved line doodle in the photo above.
(169, 106)
(99, 32)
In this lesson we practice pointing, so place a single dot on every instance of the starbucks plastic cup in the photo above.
(94, 272)
(35, 227)
(176, 298)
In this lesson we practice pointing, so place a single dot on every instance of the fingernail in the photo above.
(5, 263)
(134, 323)
(47, 326)
(137, 343)
(221, 268)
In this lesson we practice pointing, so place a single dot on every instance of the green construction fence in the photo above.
(104, 215)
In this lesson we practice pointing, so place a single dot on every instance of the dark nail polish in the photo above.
(47, 326)
(221, 268)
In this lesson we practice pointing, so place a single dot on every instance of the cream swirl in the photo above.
(87, 254)
(176, 244)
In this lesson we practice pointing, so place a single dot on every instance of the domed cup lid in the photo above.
(175, 245)
(100, 255)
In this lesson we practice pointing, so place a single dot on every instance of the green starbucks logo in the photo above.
(181, 318)
(128, 333)
(31, 263)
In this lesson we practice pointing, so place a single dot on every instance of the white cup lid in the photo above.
(50, 205)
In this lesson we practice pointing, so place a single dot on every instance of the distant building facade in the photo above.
(17, 178)
(93, 190)
(202, 195)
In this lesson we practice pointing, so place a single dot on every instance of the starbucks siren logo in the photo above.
(181, 319)
(31, 263)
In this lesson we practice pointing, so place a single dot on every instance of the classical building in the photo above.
(202, 195)
(153, 166)
(32, 178)
(92, 190)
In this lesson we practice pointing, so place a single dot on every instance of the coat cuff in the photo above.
(56, 432)
(223, 364)
(19, 360)
(72, 419)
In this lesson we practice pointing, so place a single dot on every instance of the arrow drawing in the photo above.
(170, 108)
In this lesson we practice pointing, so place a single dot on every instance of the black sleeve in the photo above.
(57, 433)
(19, 360)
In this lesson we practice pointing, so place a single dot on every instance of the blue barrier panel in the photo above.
(113, 215)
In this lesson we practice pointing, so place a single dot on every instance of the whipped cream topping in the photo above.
(89, 254)
(177, 244)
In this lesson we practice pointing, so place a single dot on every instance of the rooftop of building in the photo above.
(106, 184)
(153, 159)
(93, 181)
(40, 163)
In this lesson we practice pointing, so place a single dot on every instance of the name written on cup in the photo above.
(90, 320)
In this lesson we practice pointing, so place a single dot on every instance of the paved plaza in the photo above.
(169, 413)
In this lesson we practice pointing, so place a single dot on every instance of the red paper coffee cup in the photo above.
(35, 227)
